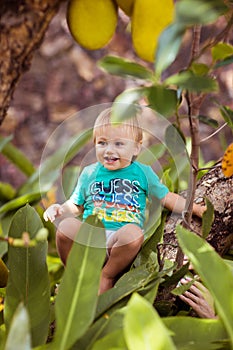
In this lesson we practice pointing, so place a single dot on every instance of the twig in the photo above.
(214, 133)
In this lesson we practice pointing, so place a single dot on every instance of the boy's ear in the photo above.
(138, 147)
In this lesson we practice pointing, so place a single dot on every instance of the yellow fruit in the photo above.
(126, 6)
(149, 18)
(3, 274)
(92, 23)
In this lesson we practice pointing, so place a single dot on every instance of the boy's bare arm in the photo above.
(68, 208)
(174, 202)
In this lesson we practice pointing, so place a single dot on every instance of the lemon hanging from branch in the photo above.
(92, 23)
(149, 19)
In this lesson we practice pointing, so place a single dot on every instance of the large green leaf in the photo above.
(227, 114)
(143, 328)
(126, 68)
(162, 100)
(28, 280)
(105, 333)
(101, 327)
(17, 157)
(78, 293)
(190, 333)
(7, 192)
(151, 154)
(135, 280)
(151, 243)
(125, 105)
(188, 81)
(50, 168)
(222, 51)
(114, 341)
(207, 218)
(4, 141)
(19, 335)
(69, 179)
(168, 47)
(20, 201)
(214, 273)
(192, 12)
(174, 139)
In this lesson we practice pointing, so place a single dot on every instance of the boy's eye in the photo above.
(101, 143)
(119, 143)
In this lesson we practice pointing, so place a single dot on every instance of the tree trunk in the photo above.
(23, 24)
(218, 189)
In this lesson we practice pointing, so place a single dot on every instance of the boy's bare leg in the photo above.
(65, 236)
(123, 248)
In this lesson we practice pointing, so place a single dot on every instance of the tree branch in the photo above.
(22, 25)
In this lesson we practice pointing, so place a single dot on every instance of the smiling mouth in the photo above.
(110, 159)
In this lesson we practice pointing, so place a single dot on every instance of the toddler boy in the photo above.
(115, 188)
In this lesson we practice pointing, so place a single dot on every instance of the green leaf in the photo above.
(196, 334)
(167, 180)
(151, 154)
(100, 329)
(17, 157)
(114, 341)
(199, 68)
(28, 280)
(19, 335)
(193, 12)
(7, 192)
(225, 62)
(142, 323)
(227, 114)
(78, 293)
(162, 100)
(4, 141)
(188, 81)
(207, 218)
(69, 179)
(208, 121)
(134, 280)
(175, 140)
(182, 288)
(125, 68)
(125, 105)
(50, 168)
(20, 201)
(221, 51)
(168, 47)
(209, 265)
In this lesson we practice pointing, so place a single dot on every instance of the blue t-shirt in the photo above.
(117, 197)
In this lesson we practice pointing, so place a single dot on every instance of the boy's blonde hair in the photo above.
(131, 125)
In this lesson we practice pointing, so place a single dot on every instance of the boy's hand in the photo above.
(52, 212)
(199, 210)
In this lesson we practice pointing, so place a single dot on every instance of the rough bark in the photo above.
(23, 24)
(218, 189)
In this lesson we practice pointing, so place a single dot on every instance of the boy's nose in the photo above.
(109, 148)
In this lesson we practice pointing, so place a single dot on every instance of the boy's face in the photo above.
(115, 147)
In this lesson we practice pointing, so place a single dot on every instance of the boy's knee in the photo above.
(67, 229)
(132, 235)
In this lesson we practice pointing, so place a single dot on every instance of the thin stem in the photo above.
(194, 102)
(214, 133)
